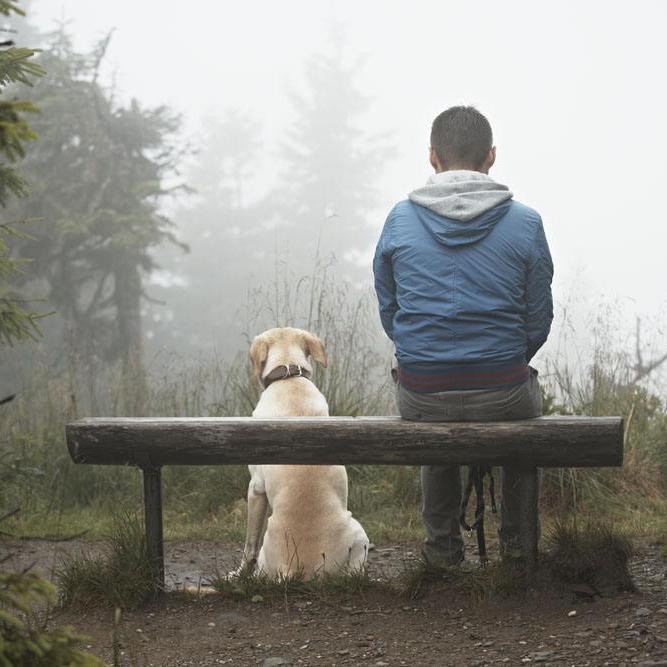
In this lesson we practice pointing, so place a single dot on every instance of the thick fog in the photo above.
(574, 92)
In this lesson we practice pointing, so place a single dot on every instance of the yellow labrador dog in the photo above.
(298, 521)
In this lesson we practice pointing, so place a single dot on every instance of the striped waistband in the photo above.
(432, 378)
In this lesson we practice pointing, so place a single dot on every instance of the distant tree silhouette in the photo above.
(222, 224)
(328, 186)
(247, 235)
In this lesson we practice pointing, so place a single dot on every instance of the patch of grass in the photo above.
(227, 524)
(96, 522)
(250, 585)
(121, 577)
(500, 577)
(593, 553)
(391, 525)
(91, 523)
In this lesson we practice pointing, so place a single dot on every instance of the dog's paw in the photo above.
(245, 569)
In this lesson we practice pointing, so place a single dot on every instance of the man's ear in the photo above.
(433, 159)
(490, 160)
(259, 351)
(315, 348)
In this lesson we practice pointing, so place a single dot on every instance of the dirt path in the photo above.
(381, 629)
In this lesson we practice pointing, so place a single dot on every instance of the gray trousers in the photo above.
(441, 485)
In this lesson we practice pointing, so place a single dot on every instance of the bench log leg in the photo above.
(153, 520)
(529, 521)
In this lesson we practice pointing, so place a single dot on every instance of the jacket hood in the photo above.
(461, 207)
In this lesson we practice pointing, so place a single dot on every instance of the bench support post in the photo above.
(529, 520)
(153, 519)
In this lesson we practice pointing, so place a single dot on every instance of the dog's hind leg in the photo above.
(258, 509)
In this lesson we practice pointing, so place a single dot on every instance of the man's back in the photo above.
(463, 274)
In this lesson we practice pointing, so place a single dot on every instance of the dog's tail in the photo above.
(199, 591)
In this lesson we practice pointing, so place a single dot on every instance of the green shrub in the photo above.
(24, 641)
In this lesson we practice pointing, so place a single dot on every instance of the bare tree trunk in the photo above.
(128, 314)
(644, 369)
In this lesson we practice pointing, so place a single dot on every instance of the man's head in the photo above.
(461, 138)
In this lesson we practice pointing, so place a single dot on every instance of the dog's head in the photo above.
(285, 345)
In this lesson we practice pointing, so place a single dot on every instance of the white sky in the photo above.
(575, 92)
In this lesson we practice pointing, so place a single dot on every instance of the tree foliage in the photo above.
(17, 320)
(99, 176)
(24, 641)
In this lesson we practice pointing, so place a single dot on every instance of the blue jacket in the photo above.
(466, 302)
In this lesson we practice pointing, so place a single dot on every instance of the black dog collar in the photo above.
(285, 371)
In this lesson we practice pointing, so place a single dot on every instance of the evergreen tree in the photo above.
(327, 190)
(98, 177)
(23, 640)
(17, 321)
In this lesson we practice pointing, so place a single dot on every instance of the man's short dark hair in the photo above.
(461, 136)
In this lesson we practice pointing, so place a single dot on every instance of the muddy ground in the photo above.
(381, 628)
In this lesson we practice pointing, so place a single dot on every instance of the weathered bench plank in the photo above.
(542, 442)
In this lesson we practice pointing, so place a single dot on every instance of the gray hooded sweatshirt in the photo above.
(460, 194)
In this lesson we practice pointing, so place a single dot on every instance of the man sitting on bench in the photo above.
(463, 278)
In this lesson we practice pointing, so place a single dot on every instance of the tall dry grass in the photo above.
(37, 475)
(601, 378)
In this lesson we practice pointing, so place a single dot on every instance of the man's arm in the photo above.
(539, 302)
(385, 287)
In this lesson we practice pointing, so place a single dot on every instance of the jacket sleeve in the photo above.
(539, 302)
(385, 287)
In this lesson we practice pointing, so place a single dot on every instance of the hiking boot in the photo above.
(510, 550)
(442, 561)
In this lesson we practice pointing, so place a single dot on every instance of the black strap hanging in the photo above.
(476, 476)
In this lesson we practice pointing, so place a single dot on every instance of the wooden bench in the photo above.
(151, 443)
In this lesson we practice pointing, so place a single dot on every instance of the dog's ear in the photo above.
(259, 351)
(315, 348)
